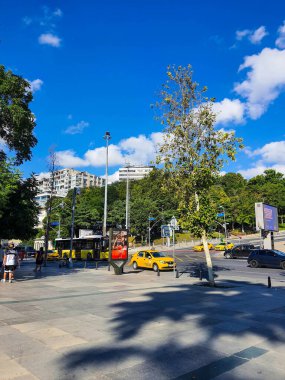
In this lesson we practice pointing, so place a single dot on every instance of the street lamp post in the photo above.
(225, 224)
(127, 198)
(107, 137)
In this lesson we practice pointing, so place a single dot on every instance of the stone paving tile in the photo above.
(10, 369)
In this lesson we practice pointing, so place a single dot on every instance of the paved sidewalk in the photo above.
(91, 324)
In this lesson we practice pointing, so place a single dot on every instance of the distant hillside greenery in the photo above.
(236, 194)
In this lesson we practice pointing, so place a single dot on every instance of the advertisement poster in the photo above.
(119, 245)
(270, 218)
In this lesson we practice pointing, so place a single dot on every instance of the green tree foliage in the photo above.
(193, 152)
(17, 122)
(9, 178)
(20, 213)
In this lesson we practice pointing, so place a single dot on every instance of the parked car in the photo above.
(152, 259)
(223, 246)
(200, 247)
(267, 258)
(241, 251)
(52, 255)
(31, 252)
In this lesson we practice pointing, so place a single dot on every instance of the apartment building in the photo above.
(66, 179)
(134, 172)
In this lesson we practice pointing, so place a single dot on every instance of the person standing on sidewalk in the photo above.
(10, 263)
(39, 260)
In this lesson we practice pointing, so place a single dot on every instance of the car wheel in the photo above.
(254, 264)
(155, 267)
(228, 256)
(135, 265)
(283, 264)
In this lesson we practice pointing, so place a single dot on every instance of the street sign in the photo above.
(174, 224)
(220, 214)
(151, 218)
(54, 224)
(165, 230)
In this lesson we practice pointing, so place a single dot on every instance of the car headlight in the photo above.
(162, 262)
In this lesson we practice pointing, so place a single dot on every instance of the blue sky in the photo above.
(97, 66)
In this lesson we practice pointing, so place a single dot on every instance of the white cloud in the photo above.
(36, 85)
(271, 156)
(257, 36)
(265, 80)
(136, 150)
(77, 128)
(280, 41)
(273, 152)
(254, 36)
(57, 12)
(43, 175)
(49, 39)
(240, 34)
(229, 111)
(68, 159)
(259, 169)
(113, 177)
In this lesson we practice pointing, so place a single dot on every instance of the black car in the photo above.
(241, 251)
(267, 258)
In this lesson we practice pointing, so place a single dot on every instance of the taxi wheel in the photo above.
(155, 267)
(135, 265)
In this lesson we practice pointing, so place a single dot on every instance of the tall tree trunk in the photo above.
(206, 249)
(208, 259)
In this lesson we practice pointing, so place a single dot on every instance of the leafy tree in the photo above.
(20, 213)
(17, 122)
(9, 178)
(193, 151)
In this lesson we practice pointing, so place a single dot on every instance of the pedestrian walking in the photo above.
(10, 263)
(39, 260)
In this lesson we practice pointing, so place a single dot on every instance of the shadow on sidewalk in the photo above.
(180, 329)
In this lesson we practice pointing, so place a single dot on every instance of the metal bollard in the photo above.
(109, 268)
(96, 265)
(200, 275)
(158, 272)
(177, 274)
(269, 282)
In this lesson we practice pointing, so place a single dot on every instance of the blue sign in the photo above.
(165, 231)
(151, 218)
(220, 214)
(54, 224)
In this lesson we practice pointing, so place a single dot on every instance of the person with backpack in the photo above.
(10, 263)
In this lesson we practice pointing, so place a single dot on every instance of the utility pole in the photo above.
(75, 192)
(225, 225)
(107, 137)
(127, 198)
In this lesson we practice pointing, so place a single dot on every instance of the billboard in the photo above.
(119, 245)
(266, 217)
(270, 214)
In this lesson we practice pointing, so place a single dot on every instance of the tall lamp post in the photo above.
(225, 224)
(107, 137)
(127, 198)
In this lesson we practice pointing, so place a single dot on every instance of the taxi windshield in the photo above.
(158, 254)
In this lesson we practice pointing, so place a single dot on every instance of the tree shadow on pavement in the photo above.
(180, 329)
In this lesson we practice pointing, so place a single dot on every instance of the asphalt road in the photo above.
(192, 262)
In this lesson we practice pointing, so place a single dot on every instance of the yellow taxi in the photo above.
(52, 255)
(153, 260)
(200, 247)
(223, 246)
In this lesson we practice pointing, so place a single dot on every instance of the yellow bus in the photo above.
(93, 247)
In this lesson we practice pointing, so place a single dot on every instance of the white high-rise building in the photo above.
(66, 179)
(134, 172)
